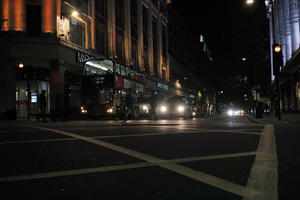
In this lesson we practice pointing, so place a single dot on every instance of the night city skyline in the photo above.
(150, 99)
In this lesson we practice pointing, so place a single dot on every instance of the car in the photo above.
(235, 112)
(174, 107)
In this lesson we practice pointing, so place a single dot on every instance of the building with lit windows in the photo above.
(284, 29)
(53, 39)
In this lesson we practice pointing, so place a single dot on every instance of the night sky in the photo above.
(233, 30)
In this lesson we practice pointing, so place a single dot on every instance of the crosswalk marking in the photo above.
(264, 175)
(185, 171)
(115, 167)
(182, 131)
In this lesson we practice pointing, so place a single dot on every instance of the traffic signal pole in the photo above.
(278, 97)
(277, 63)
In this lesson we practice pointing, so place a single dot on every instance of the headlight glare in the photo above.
(180, 108)
(163, 109)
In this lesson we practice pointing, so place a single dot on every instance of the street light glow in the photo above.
(21, 65)
(249, 2)
(75, 13)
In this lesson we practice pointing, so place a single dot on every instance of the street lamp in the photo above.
(75, 13)
(249, 2)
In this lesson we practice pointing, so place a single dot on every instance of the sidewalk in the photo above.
(285, 118)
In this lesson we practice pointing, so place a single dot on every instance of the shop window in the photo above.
(123, 70)
(118, 69)
(127, 72)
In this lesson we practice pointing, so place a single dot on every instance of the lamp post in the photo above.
(114, 59)
(27, 75)
(270, 6)
(270, 14)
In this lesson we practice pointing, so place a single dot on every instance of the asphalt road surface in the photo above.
(217, 158)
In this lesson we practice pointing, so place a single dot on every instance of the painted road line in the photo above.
(264, 175)
(73, 172)
(233, 131)
(114, 167)
(125, 135)
(185, 171)
(36, 141)
(199, 158)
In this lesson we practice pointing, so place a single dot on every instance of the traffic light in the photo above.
(25, 72)
(277, 58)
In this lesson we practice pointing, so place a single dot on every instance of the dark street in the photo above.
(164, 159)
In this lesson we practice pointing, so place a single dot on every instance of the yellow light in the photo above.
(249, 2)
(75, 13)
(110, 110)
(277, 49)
(81, 108)
(21, 65)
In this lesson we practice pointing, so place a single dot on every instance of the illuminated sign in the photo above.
(82, 57)
(163, 86)
(34, 97)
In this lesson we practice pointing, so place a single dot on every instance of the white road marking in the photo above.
(37, 141)
(264, 176)
(114, 167)
(234, 155)
(181, 131)
(185, 171)
(73, 172)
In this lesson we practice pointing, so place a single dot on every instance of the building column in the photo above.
(150, 41)
(111, 28)
(271, 27)
(18, 15)
(127, 23)
(282, 30)
(288, 37)
(140, 46)
(166, 63)
(276, 22)
(5, 6)
(8, 87)
(159, 47)
(294, 20)
(57, 83)
(49, 16)
(92, 20)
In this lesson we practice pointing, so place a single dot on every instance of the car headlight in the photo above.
(230, 112)
(144, 107)
(110, 110)
(163, 109)
(180, 108)
(83, 110)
